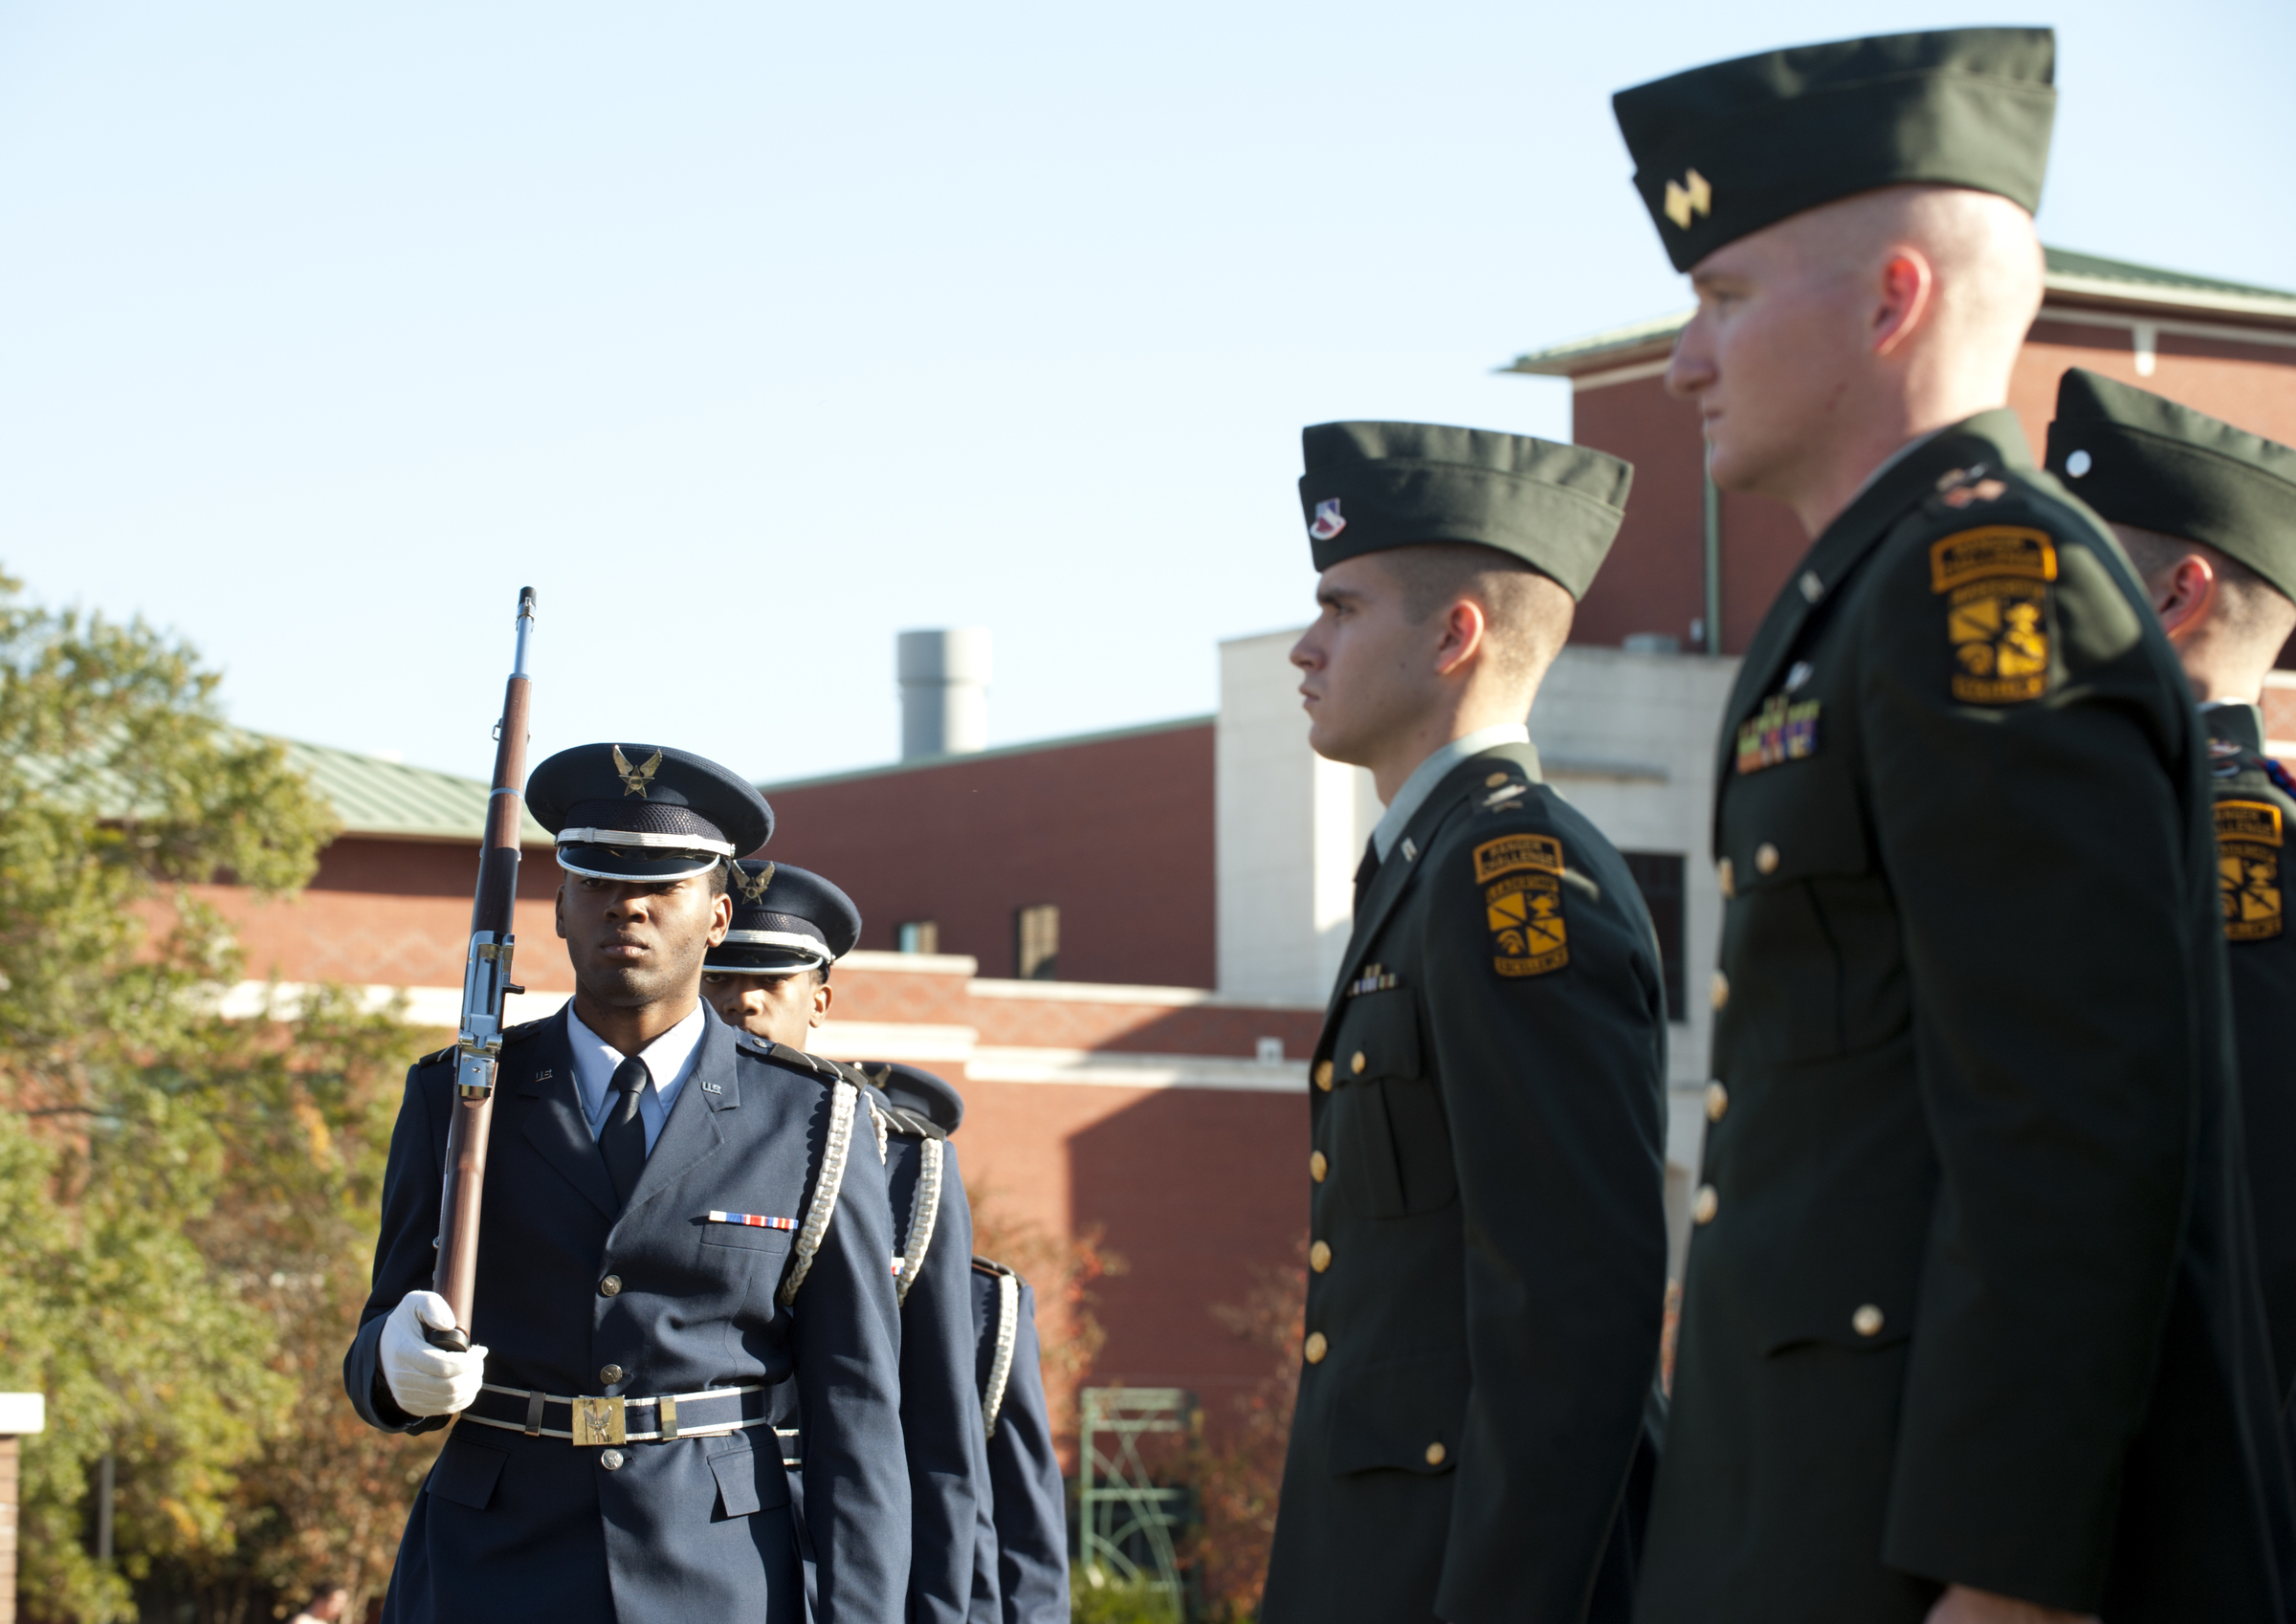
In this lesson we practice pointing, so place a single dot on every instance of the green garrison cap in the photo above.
(1372, 486)
(2142, 460)
(1723, 150)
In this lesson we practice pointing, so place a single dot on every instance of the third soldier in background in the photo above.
(2207, 513)
(1485, 1198)
(1970, 1328)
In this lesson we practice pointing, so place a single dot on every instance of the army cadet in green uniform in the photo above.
(1486, 1226)
(1970, 1327)
(2207, 513)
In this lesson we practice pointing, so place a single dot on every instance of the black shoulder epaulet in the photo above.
(795, 1060)
(910, 1123)
(990, 1267)
(435, 1056)
(524, 1030)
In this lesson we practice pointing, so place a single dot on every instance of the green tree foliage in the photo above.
(186, 1201)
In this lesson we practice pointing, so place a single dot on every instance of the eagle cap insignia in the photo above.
(1327, 522)
(753, 892)
(1687, 198)
(634, 779)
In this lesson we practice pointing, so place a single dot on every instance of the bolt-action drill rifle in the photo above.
(485, 986)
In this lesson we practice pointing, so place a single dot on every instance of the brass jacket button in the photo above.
(1318, 1166)
(1437, 1454)
(1866, 1320)
(1717, 1102)
(1315, 1347)
(1319, 1256)
(1705, 1206)
(611, 1285)
(1358, 1063)
(1323, 1075)
(610, 1374)
(1765, 857)
(611, 1461)
(1728, 876)
(1719, 991)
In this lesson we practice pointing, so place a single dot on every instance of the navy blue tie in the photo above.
(623, 1141)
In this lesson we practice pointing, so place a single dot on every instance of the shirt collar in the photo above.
(669, 1058)
(1430, 772)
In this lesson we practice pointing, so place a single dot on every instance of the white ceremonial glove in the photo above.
(425, 1380)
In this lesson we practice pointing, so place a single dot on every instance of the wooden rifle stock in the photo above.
(486, 985)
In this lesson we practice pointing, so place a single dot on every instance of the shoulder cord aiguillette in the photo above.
(839, 1141)
(1000, 1368)
(924, 1211)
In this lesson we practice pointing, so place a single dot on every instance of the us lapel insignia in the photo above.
(2248, 838)
(1783, 730)
(1522, 904)
(712, 1088)
(1995, 584)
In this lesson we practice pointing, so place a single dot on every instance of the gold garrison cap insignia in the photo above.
(753, 892)
(634, 779)
(1689, 197)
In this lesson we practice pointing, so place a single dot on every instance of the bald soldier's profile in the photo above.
(1970, 1327)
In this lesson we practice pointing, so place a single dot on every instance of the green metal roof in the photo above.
(2070, 276)
(374, 796)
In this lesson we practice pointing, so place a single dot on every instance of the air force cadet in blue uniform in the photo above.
(771, 977)
(1021, 1561)
(677, 1225)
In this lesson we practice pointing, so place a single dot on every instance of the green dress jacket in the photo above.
(1488, 1236)
(2255, 815)
(1971, 1295)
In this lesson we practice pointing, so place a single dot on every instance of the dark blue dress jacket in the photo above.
(1021, 1561)
(509, 1526)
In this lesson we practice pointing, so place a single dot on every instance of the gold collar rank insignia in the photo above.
(1996, 583)
(753, 892)
(2248, 837)
(634, 779)
(1689, 197)
(1522, 904)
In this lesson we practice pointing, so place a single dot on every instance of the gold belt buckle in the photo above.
(598, 1422)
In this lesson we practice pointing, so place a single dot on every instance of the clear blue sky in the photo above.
(752, 334)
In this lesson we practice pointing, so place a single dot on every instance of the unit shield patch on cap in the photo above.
(1327, 522)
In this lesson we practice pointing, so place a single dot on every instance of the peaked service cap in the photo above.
(1373, 486)
(2140, 459)
(912, 1087)
(786, 919)
(645, 811)
(1723, 150)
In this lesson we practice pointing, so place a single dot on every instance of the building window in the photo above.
(920, 936)
(1658, 875)
(1036, 942)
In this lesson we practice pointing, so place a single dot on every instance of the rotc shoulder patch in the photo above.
(1512, 852)
(1524, 908)
(1996, 582)
(2248, 839)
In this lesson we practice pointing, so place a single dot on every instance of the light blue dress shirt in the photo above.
(672, 1055)
(1430, 772)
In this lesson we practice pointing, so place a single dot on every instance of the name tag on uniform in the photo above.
(1783, 730)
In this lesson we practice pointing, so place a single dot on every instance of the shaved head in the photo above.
(1822, 344)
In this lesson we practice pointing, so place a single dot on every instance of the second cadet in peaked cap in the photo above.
(770, 976)
(2207, 512)
(1484, 1190)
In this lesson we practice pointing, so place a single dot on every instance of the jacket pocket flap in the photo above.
(1401, 1415)
(1381, 1030)
(465, 1471)
(749, 1479)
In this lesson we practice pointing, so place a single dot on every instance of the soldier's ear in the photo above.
(558, 909)
(722, 917)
